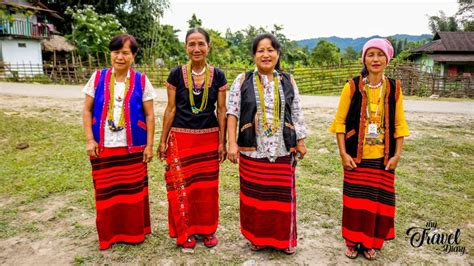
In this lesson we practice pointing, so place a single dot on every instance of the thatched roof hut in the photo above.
(57, 44)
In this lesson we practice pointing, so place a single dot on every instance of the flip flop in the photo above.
(289, 251)
(190, 243)
(210, 240)
(370, 254)
(351, 252)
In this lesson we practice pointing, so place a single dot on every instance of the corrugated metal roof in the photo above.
(459, 41)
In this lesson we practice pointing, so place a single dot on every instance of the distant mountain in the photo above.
(357, 43)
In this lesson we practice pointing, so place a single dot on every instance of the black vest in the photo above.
(355, 134)
(248, 109)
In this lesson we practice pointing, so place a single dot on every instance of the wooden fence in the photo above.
(324, 80)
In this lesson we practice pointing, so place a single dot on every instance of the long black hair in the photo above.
(198, 30)
(364, 72)
(275, 44)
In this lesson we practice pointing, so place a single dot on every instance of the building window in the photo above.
(22, 45)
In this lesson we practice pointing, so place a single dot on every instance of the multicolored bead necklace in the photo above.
(268, 129)
(205, 96)
(110, 111)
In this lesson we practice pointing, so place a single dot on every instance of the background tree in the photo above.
(92, 32)
(325, 53)
(168, 47)
(462, 20)
(194, 22)
(141, 19)
(220, 54)
(100, 6)
(407, 47)
(442, 23)
(465, 14)
(350, 54)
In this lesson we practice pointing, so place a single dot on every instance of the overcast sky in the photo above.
(304, 19)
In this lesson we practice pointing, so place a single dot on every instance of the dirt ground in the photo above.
(52, 243)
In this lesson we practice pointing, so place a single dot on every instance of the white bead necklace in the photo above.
(200, 73)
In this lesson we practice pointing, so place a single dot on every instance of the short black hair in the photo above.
(118, 41)
(275, 44)
(198, 30)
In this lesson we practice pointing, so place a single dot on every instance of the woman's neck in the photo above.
(268, 73)
(375, 78)
(121, 75)
(198, 66)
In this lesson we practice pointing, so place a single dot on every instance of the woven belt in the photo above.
(374, 142)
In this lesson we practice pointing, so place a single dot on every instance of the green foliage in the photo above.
(465, 14)
(194, 22)
(350, 55)
(168, 47)
(7, 14)
(462, 20)
(325, 52)
(403, 48)
(141, 19)
(65, 26)
(92, 32)
(220, 54)
(442, 23)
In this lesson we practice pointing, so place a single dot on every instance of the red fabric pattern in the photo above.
(268, 201)
(121, 194)
(368, 204)
(192, 180)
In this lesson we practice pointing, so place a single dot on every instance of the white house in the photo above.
(22, 27)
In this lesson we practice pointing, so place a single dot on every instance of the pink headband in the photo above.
(383, 44)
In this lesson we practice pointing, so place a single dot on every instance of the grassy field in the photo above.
(47, 208)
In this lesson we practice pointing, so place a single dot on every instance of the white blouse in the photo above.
(118, 138)
(271, 148)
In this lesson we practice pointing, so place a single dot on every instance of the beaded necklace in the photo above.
(110, 111)
(268, 129)
(205, 96)
(370, 105)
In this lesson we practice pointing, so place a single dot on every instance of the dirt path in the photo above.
(74, 92)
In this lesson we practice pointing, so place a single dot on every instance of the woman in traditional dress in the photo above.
(193, 144)
(119, 125)
(370, 127)
(271, 133)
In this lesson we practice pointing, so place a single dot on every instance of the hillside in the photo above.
(357, 43)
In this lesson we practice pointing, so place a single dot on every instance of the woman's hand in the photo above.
(233, 152)
(301, 149)
(92, 148)
(347, 162)
(222, 152)
(392, 163)
(161, 152)
(148, 154)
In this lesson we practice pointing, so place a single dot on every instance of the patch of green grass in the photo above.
(6, 230)
(54, 162)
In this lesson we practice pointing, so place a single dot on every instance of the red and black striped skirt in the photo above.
(121, 196)
(268, 201)
(192, 181)
(368, 204)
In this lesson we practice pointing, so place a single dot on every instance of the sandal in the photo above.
(351, 252)
(257, 248)
(210, 240)
(289, 251)
(190, 243)
(370, 254)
